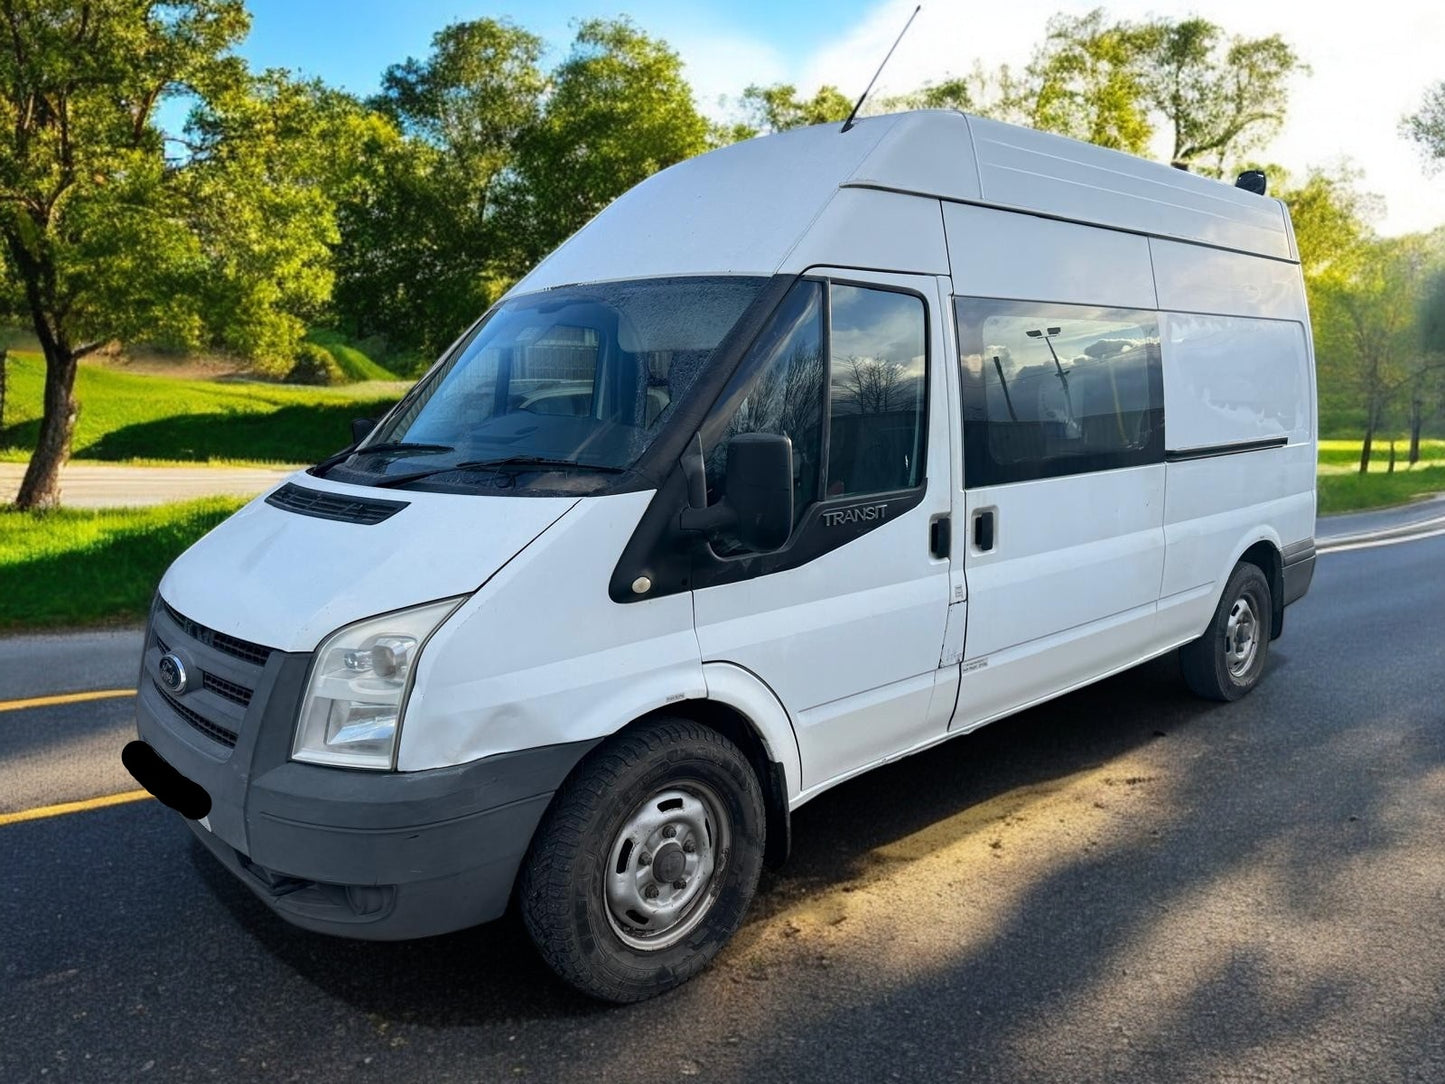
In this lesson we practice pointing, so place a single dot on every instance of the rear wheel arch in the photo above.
(1265, 555)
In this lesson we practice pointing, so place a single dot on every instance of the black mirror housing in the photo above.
(361, 428)
(760, 488)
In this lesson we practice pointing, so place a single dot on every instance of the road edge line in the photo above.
(61, 808)
(64, 698)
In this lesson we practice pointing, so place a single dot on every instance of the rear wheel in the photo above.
(646, 862)
(1227, 661)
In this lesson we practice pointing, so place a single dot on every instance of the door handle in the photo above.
(983, 530)
(940, 536)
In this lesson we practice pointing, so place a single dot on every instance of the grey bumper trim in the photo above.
(1298, 569)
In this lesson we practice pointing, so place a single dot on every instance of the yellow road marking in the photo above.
(43, 811)
(64, 698)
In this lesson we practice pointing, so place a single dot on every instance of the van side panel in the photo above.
(880, 231)
(1229, 379)
(1232, 385)
(1193, 278)
(543, 656)
(1019, 167)
(1010, 255)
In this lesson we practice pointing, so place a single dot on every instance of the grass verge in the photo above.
(356, 364)
(130, 416)
(74, 567)
(1355, 492)
(1343, 456)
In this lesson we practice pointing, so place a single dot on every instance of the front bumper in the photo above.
(367, 854)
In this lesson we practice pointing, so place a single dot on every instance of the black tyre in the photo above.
(1227, 661)
(647, 860)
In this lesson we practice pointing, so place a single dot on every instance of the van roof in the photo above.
(743, 209)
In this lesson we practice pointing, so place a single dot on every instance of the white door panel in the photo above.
(850, 641)
(1067, 551)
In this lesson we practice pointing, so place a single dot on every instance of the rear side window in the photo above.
(1050, 390)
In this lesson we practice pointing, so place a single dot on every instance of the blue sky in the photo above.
(351, 44)
(1367, 70)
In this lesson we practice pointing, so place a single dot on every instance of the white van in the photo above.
(804, 455)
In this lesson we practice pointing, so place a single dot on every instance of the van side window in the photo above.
(1050, 390)
(780, 390)
(854, 355)
(876, 402)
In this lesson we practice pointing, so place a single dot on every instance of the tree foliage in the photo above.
(1115, 83)
(618, 109)
(417, 259)
(1089, 80)
(1426, 126)
(1219, 96)
(777, 108)
(94, 231)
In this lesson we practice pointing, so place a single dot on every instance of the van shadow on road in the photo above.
(491, 972)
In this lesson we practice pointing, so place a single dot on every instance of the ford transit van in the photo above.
(804, 455)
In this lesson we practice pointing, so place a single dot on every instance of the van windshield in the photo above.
(558, 391)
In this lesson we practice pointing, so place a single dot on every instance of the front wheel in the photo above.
(646, 862)
(1227, 661)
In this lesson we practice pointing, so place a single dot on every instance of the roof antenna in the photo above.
(849, 122)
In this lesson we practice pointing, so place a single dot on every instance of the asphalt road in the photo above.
(110, 485)
(1125, 884)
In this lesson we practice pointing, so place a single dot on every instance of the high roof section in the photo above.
(744, 208)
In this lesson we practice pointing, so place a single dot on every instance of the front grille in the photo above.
(237, 694)
(231, 645)
(367, 511)
(214, 731)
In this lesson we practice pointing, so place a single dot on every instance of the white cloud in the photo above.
(1371, 64)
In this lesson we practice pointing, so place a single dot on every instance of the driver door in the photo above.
(845, 623)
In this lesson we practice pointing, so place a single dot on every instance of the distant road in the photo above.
(111, 485)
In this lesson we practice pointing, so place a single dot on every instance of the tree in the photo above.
(93, 246)
(777, 108)
(619, 110)
(1087, 80)
(1112, 83)
(420, 241)
(267, 156)
(1427, 126)
(1220, 98)
(1372, 310)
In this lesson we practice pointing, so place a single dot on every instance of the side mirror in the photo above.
(758, 502)
(760, 488)
(360, 427)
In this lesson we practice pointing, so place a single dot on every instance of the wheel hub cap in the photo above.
(1241, 637)
(662, 876)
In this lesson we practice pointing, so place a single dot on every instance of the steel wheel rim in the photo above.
(1241, 636)
(665, 863)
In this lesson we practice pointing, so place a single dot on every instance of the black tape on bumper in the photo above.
(170, 786)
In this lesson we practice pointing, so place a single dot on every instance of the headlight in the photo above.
(359, 683)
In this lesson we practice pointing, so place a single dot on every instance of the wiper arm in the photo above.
(330, 461)
(405, 446)
(493, 464)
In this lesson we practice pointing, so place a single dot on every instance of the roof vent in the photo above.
(1252, 180)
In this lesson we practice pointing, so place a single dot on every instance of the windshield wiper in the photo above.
(319, 471)
(493, 464)
(404, 446)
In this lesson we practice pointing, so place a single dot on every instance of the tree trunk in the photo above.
(1417, 408)
(1369, 439)
(1391, 469)
(41, 486)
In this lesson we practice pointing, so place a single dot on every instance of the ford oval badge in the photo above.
(173, 673)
